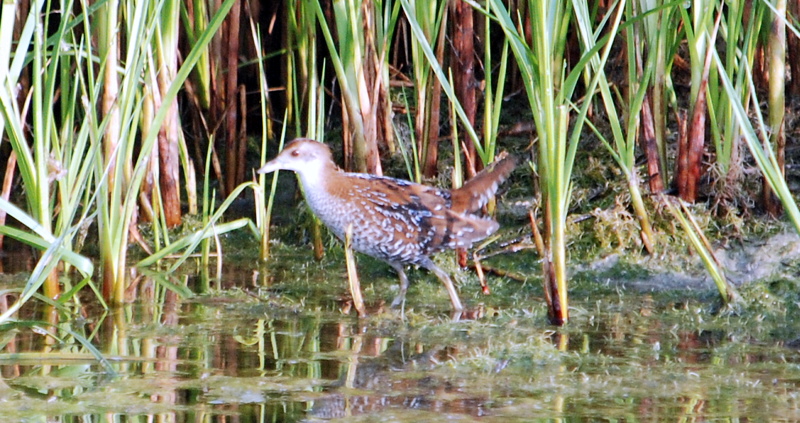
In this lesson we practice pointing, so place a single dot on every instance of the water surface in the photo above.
(282, 346)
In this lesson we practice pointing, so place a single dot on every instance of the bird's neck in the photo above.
(320, 182)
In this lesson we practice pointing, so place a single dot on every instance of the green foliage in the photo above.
(72, 172)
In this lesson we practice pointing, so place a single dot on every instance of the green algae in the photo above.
(281, 346)
(279, 341)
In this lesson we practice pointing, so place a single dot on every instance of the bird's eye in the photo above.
(295, 153)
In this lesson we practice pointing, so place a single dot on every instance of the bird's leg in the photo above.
(401, 296)
(448, 283)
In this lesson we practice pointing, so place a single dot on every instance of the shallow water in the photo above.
(282, 347)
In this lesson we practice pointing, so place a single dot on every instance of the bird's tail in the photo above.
(476, 192)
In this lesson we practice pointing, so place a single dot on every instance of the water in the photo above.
(282, 349)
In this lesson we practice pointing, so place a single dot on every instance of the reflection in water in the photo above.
(377, 371)
(241, 358)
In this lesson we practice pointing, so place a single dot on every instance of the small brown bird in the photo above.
(393, 220)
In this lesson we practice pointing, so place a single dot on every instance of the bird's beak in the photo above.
(270, 166)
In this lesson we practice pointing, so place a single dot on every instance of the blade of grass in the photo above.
(765, 160)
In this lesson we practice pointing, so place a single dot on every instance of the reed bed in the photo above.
(112, 110)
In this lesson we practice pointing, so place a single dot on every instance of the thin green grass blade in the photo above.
(163, 279)
(420, 38)
(85, 343)
(42, 239)
(764, 158)
(40, 273)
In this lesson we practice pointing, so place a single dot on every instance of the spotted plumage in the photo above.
(396, 221)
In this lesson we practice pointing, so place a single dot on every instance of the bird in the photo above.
(396, 221)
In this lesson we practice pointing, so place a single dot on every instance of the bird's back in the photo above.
(404, 222)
